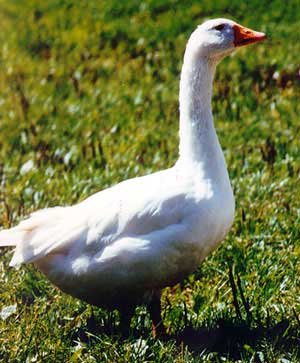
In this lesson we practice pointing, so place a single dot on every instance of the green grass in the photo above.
(88, 97)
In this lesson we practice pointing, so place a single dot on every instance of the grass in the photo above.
(89, 98)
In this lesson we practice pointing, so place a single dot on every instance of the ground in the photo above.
(89, 97)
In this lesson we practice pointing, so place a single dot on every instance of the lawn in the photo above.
(89, 97)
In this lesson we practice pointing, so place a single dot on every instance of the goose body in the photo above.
(139, 235)
(149, 232)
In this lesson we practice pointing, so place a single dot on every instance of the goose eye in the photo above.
(220, 27)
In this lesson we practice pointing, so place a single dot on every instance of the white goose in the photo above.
(121, 244)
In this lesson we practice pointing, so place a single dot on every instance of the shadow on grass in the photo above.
(228, 337)
(233, 339)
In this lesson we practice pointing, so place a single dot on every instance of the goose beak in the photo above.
(245, 36)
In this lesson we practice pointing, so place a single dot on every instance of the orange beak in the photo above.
(245, 36)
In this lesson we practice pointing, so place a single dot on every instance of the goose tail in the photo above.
(11, 237)
(32, 238)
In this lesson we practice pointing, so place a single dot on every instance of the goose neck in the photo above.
(197, 132)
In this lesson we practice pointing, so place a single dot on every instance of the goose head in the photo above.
(216, 38)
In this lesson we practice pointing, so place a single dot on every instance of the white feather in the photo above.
(146, 232)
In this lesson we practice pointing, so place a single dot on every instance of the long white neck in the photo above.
(198, 139)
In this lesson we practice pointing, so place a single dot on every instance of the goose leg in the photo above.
(126, 313)
(155, 314)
